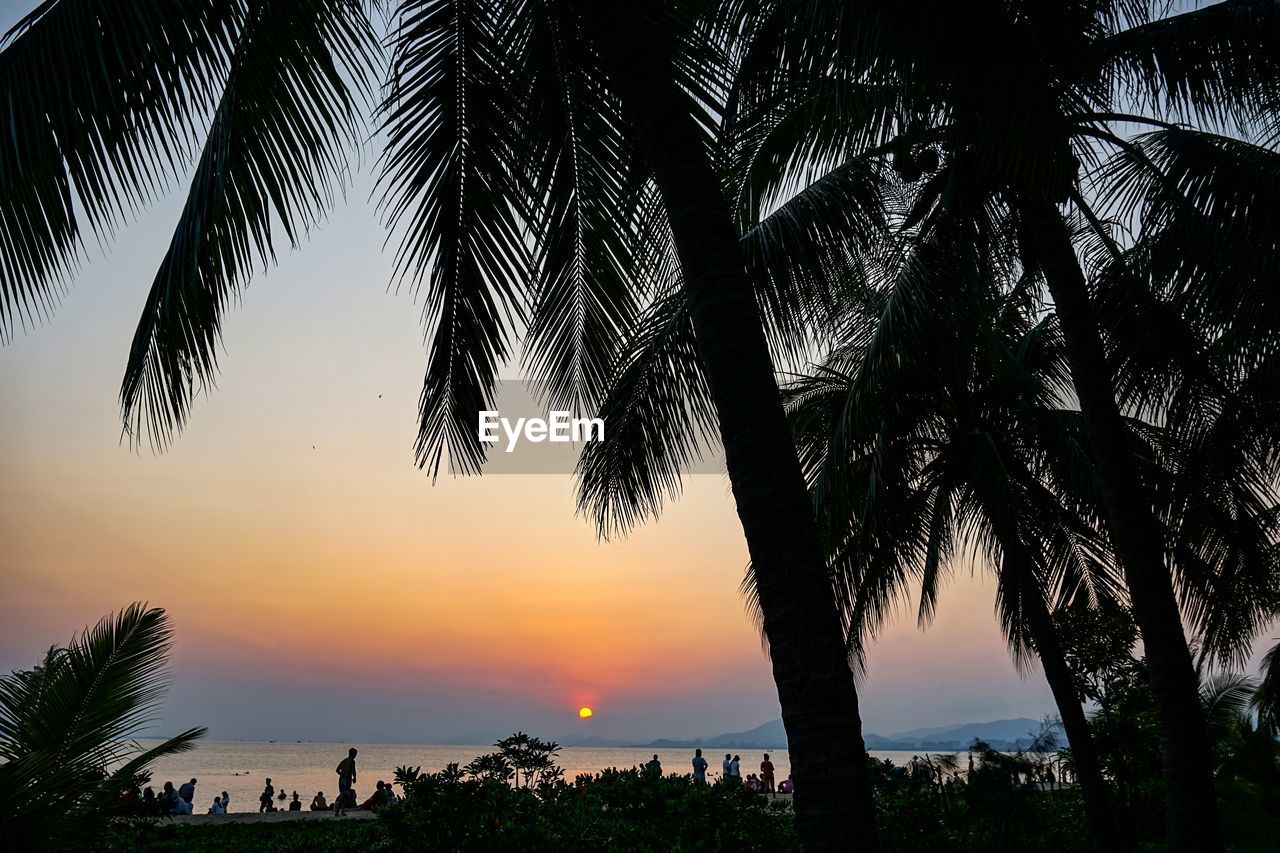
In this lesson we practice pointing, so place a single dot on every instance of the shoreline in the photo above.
(287, 817)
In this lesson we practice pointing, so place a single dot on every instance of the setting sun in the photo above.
(584, 712)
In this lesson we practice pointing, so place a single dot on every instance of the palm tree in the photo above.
(938, 433)
(1266, 700)
(1017, 98)
(67, 728)
(523, 138)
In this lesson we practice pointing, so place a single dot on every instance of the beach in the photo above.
(241, 767)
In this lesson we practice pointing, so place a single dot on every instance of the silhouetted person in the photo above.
(726, 766)
(378, 799)
(699, 767)
(188, 792)
(295, 805)
(217, 808)
(735, 768)
(265, 798)
(226, 801)
(318, 803)
(654, 767)
(766, 777)
(346, 778)
(170, 802)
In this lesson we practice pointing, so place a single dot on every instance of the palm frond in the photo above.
(661, 419)
(289, 114)
(1225, 697)
(102, 103)
(454, 130)
(1217, 63)
(588, 185)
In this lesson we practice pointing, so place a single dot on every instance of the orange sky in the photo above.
(313, 572)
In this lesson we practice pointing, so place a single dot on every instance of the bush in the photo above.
(615, 810)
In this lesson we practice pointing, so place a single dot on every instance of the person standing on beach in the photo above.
(726, 766)
(766, 777)
(346, 778)
(654, 767)
(699, 767)
(735, 768)
(264, 801)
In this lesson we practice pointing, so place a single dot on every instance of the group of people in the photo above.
(383, 796)
(731, 772)
(267, 800)
(173, 801)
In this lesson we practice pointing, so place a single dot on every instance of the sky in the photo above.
(321, 587)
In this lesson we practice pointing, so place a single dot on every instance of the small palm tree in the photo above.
(67, 728)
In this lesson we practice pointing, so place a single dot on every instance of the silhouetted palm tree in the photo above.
(938, 435)
(523, 139)
(997, 107)
(67, 729)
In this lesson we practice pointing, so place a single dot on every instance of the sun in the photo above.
(584, 712)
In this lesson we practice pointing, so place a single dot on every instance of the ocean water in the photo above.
(241, 767)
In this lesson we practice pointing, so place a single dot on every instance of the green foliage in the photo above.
(533, 761)
(67, 729)
(614, 810)
(1097, 644)
(332, 836)
(991, 808)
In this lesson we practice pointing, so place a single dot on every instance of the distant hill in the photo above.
(770, 735)
(1000, 734)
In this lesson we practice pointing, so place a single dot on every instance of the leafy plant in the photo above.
(67, 729)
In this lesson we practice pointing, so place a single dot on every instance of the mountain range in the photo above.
(1000, 734)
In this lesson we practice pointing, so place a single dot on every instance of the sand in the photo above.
(264, 817)
(282, 817)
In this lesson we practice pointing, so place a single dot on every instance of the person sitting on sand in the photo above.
(766, 776)
(378, 800)
(170, 803)
(217, 807)
(392, 799)
(226, 802)
(188, 792)
(318, 803)
(295, 805)
(787, 786)
(264, 800)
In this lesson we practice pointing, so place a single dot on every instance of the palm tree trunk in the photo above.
(1103, 828)
(833, 802)
(1192, 823)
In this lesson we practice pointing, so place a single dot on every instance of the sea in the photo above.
(241, 767)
